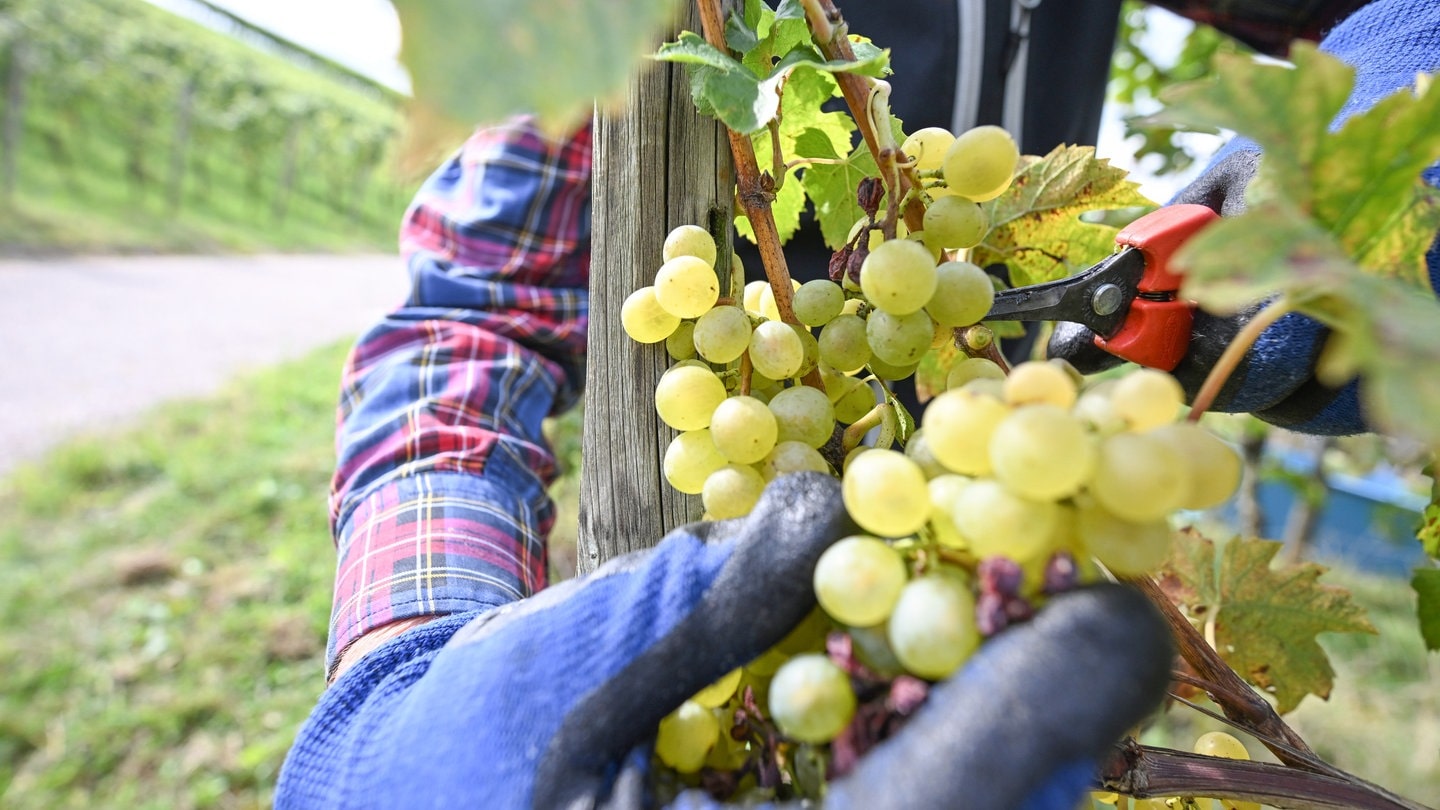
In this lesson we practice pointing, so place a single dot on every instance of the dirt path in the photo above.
(86, 343)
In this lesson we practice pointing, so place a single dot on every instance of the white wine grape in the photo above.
(981, 162)
(858, 580)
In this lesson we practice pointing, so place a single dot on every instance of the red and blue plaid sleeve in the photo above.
(439, 500)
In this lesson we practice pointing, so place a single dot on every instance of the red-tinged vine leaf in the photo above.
(549, 58)
(1426, 583)
(1265, 617)
(1036, 228)
(1360, 183)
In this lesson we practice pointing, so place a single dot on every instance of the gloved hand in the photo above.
(553, 701)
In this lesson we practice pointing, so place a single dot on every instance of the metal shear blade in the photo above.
(1099, 297)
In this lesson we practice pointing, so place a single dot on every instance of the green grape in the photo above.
(835, 382)
(687, 286)
(858, 579)
(872, 649)
(1221, 744)
(728, 753)
(1127, 548)
(1034, 382)
(680, 345)
(927, 147)
(716, 694)
(899, 339)
(690, 459)
(776, 351)
(973, 368)
(918, 451)
(743, 429)
(687, 395)
(685, 736)
(792, 457)
(1146, 398)
(958, 425)
(803, 414)
(843, 344)
(752, 298)
(885, 493)
(810, 699)
(932, 628)
(955, 222)
(732, 491)
(1097, 411)
(817, 302)
(810, 348)
(944, 491)
(891, 371)
(981, 163)
(1215, 467)
(898, 276)
(858, 400)
(1041, 452)
(644, 320)
(689, 240)
(1139, 478)
(997, 521)
(722, 334)
(963, 294)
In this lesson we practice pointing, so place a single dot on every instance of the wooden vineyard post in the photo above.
(658, 165)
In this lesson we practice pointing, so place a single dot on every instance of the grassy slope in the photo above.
(164, 593)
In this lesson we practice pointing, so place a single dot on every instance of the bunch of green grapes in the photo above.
(1018, 484)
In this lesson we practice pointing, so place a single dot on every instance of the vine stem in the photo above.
(829, 29)
(1235, 352)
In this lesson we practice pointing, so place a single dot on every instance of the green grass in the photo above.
(164, 593)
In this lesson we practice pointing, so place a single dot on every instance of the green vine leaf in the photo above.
(1035, 225)
(1265, 618)
(603, 43)
(1426, 583)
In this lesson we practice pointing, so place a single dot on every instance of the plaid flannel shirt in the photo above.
(439, 498)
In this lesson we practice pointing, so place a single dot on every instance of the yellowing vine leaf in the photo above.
(1265, 618)
(1035, 225)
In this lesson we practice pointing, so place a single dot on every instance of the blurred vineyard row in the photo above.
(115, 111)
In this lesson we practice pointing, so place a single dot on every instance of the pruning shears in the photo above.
(1129, 299)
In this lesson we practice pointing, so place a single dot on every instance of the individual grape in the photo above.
(857, 401)
(1139, 478)
(817, 302)
(776, 351)
(716, 694)
(858, 579)
(803, 414)
(680, 345)
(885, 493)
(690, 240)
(687, 286)
(728, 753)
(685, 736)
(944, 490)
(981, 163)
(1041, 452)
(927, 147)
(899, 339)
(1146, 398)
(752, 298)
(810, 698)
(996, 521)
(963, 294)
(743, 429)
(1097, 411)
(973, 368)
(891, 371)
(687, 395)
(643, 319)
(1035, 381)
(1127, 548)
(732, 491)
(722, 334)
(958, 425)
(1221, 744)
(877, 236)
(955, 222)
(898, 276)
(809, 348)
(690, 459)
(932, 627)
(792, 457)
(843, 344)
(918, 451)
(872, 649)
(1215, 467)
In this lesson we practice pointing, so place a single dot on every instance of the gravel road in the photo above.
(87, 343)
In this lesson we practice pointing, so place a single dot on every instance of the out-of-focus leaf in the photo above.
(1426, 583)
(482, 61)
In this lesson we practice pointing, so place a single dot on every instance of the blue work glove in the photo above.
(554, 701)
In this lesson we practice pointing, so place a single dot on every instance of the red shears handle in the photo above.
(1156, 332)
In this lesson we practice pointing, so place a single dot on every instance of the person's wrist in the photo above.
(371, 641)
